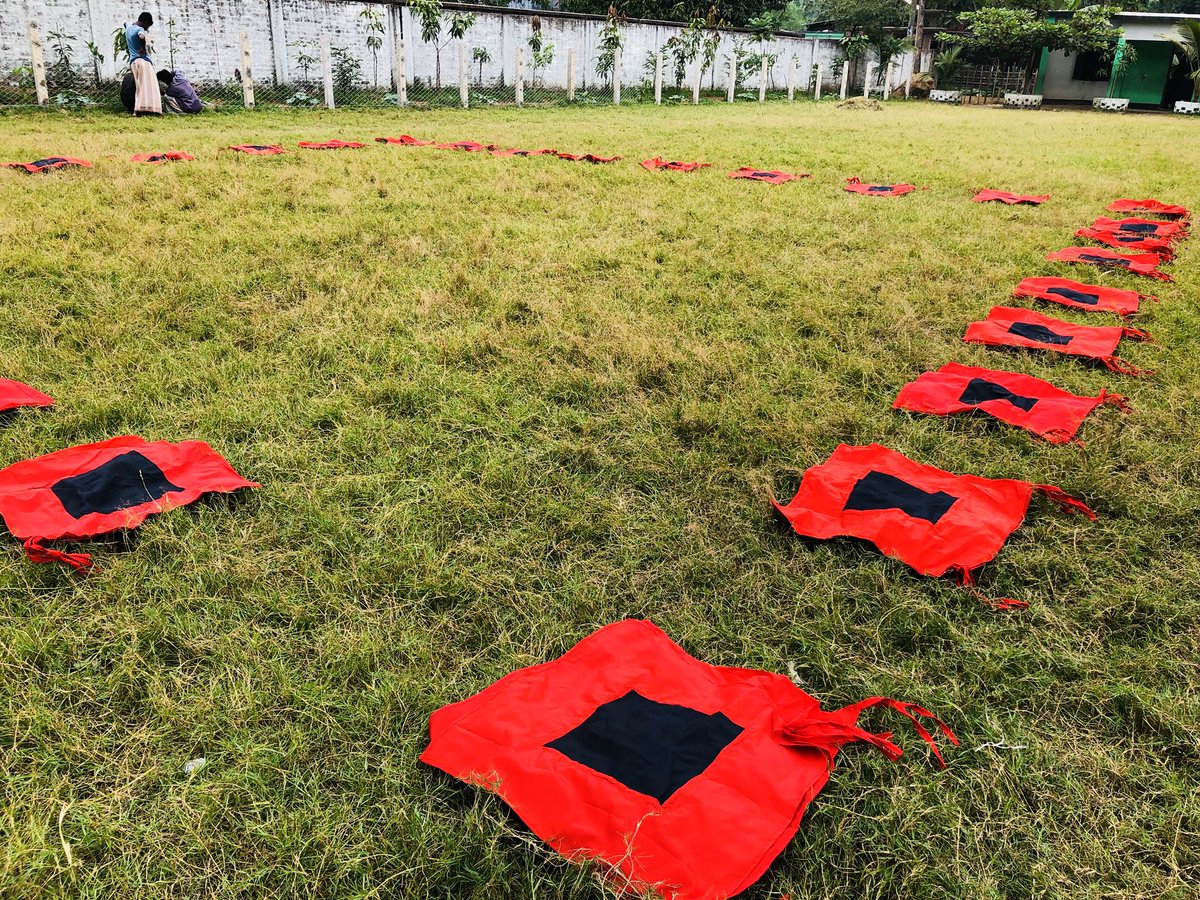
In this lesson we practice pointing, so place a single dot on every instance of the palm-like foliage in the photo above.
(1187, 42)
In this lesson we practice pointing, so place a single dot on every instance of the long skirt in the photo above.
(148, 100)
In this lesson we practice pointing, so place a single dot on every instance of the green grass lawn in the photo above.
(497, 403)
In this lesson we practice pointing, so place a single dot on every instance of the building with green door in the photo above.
(1154, 79)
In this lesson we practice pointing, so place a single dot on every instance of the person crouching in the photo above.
(147, 99)
(178, 94)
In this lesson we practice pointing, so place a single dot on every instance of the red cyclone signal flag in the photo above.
(1138, 263)
(658, 164)
(1124, 241)
(259, 149)
(1008, 326)
(1019, 400)
(96, 489)
(1171, 231)
(405, 139)
(15, 394)
(988, 194)
(681, 779)
(49, 164)
(1170, 210)
(771, 176)
(933, 521)
(1077, 295)
(856, 186)
(331, 145)
(160, 158)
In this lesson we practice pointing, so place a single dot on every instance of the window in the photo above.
(1092, 65)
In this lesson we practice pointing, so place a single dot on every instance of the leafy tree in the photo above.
(735, 12)
(481, 56)
(684, 47)
(1187, 43)
(611, 40)
(542, 53)
(1017, 35)
(429, 17)
(869, 17)
(375, 32)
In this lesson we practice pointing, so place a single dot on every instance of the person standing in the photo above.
(147, 99)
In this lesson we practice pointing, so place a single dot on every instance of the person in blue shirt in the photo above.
(147, 100)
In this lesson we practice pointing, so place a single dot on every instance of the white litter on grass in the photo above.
(1001, 745)
(192, 766)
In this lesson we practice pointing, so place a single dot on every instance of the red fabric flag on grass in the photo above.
(1124, 241)
(331, 145)
(49, 164)
(1020, 400)
(467, 146)
(160, 158)
(855, 186)
(934, 521)
(771, 176)
(259, 149)
(658, 164)
(1008, 326)
(587, 157)
(1171, 231)
(681, 779)
(96, 489)
(14, 394)
(1138, 263)
(1157, 207)
(1075, 294)
(988, 194)
(405, 139)
(513, 151)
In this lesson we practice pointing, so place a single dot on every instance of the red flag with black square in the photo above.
(934, 521)
(1021, 400)
(1157, 207)
(1138, 263)
(1008, 326)
(1077, 295)
(856, 186)
(1123, 241)
(1171, 231)
(679, 778)
(96, 489)
(988, 195)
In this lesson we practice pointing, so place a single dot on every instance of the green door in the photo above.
(1146, 78)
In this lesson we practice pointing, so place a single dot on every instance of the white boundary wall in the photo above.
(209, 41)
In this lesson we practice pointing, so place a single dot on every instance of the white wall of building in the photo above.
(209, 41)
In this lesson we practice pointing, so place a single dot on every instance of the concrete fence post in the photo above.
(463, 92)
(819, 77)
(887, 80)
(871, 67)
(732, 77)
(616, 76)
(247, 78)
(696, 80)
(327, 71)
(571, 75)
(519, 79)
(762, 80)
(38, 58)
(399, 75)
(791, 78)
(845, 79)
(658, 78)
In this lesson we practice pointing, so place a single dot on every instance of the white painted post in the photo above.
(658, 78)
(762, 80)
(399, 75)
(887, 81)
(519, 79)
(616, 75)
(732, 77)
(327, 70)
(463, 95)
(571, 75)
(247, 79)
(845, 78)
(871, 67)
(820, 76)
(696, 81)
(791, 77)
(38, 57)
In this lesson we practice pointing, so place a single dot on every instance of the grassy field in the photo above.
(497, 403)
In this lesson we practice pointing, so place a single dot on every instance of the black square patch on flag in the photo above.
(124, 481)
(879, 490)
(652, 748)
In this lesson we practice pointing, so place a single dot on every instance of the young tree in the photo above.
(611, 40)
(543, 53)
(375, 32)
(481, 56)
